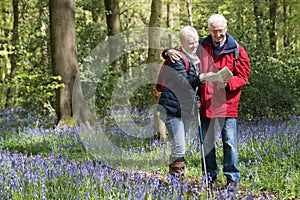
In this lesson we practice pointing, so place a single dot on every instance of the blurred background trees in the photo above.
(269, 31)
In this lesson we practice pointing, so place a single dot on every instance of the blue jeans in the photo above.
(228, 130)
(177, 129)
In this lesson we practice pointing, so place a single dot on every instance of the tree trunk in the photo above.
(114, 27)
(189, 11)
(154, 58)
(286, 14)
(45, 47)
(13, 58)
(259, 18)
(95, 9)
(273, 10)
(172, 20)
(154, 34)
(64, 62)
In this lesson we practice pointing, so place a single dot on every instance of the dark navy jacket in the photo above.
(178, 96)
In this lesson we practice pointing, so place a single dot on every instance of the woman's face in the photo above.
(190, 44)
(218, 31)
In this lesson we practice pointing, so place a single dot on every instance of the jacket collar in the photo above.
(229, 46)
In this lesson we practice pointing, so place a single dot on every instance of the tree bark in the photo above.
(114, 27)
(65, 64)
(189, 12)
(259, 19)
(13, 58)
(273, 10)
(286, 14)
(154, 34)
(172, 20)
(154, 58)
(45, 47)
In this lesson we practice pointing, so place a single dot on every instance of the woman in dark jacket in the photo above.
(178, 96)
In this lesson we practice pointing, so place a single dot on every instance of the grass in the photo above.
(40, 162)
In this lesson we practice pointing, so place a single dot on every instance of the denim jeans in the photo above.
(229, 139)
(177, 129)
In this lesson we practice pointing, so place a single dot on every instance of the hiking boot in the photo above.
(213, 183)
(232, 186)
(177, 167)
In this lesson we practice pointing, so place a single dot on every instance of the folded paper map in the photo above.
(221, 76)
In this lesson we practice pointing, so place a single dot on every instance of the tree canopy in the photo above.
(268, 30)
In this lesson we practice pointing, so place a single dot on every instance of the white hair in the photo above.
(217, 18)
(186, 32)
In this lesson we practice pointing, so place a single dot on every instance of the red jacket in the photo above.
(219, 101)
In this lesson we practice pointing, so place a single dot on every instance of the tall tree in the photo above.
(286, 14)
(189, 11)
(154, 56)
(114, 27)
(154, 34)
(259, 19)
(64, 62)
(13, 58)
(170, 19)
(43, 29)
(273, 10)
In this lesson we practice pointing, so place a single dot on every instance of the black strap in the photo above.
(236, 56)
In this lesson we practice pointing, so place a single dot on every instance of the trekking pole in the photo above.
(201, 141)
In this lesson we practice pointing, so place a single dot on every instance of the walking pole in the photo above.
(201, 141)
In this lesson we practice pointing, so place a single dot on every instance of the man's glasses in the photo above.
(220, 31)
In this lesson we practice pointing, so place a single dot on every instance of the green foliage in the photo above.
(27, 143)
(89, 34)
(104, 92)
(120, 92)
(39, 141)
(35, 90)
(33, 85)
(273, 88)
(142, 97)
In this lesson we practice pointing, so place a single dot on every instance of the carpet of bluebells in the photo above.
(40, 161)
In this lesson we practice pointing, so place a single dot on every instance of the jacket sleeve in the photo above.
(242, 71)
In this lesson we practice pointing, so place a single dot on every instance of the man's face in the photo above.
(218, 31)
(190, 44)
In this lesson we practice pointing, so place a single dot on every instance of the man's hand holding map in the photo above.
(220, 77)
